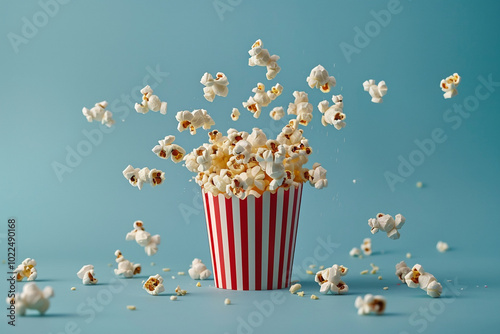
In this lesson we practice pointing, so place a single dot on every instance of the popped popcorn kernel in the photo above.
(295, 287)
(375, 91)
(330, 280)
(370, 304)
(154, 285)
(150, 102)
(364, 272)
(300, 293)
(31, 298)
(143, 238)
(26, 270)
(355, 252)
(73, 288)
(319, 78)
(333, 114)
(194, 120)
(198, 270)
(217, 86)
(442, 246)
(125, 267)
(198, 284)
(387, 224)
(418, 278)
(366, 246)
(167, 149)
(449, 85)
(227, 301)
(99, 114)
(235, 114)
(179, 291)
(87, 275)
(138, 177)
(277, 113)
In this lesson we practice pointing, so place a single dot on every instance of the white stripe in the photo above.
(225, 240)
(214, 234)
(237, 243)
(299, 190)
(205, 204)
(266, 203)
(288, 231)
(277, 237)
(251, 241)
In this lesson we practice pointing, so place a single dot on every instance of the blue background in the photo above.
(89, 51)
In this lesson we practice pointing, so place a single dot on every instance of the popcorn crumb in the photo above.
(386, 288)
(364, 272)
(419, 184)
(173, 277)
(181, 273)
(408, 255)
(300, 293)
(312, 266)
(154, 285)
(380, 277)
(110, 264)
(442, 246)
(152, 264)
(166, 269)
(295, 287)
(198, 284)
(374, 270)
(179, 291)
(309, 272)
(173, 297)
(227, 301)
(73, 288)
(314, 297)
(321, 267)
(131, 307)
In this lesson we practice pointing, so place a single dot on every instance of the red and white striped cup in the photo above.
(252, 241)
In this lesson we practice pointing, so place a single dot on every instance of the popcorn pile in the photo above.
(150, 102)
(261, 57)
(26, 270)
(217, 86)
(137, 177)
(125, 267)
(449, 85)
(99, 114)
(143, 238)
(87, 275)
(330, 280)
(418, 278)
(243, 164)
(375, 91)
(32, 298)
(387, 224)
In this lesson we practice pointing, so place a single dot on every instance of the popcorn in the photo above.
(179, 291)
(402, 270)
(387, 224)
(275, 91)
(370, 304)
(374, 270)
(449, 85)
(252, 106)
(198, 284)
(300, 293)
(154, 285)
(193, 120)
(442, 246)
(418, 278)
(150, 102)
(137, 177)
(31, 298)
(131, 307)
(363, 272)
(355, 252)
(217, 86)
(261, 57)
(333, 114)
(314, 297)
(375, 91)
(366, 246)
(143, 238)
(87, 275)
(301, 107)
(295, 287)
(319, 78)
(330, 280)
(277, 113)
(198, 270)
(172, 298)
(227, 301)
(317, 176)
(125, 267)
(235, 114)
(26, 269)
(167, 149)
(99, 114)
(261, 96)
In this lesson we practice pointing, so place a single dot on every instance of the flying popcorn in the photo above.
(193, 120)
(217, 86)
(87, 275)
(143, 238)
(355, 252)
(317, 176)
(275, 91)
(330, 280)
(319, 78)
(442, 246)
(154, 285)
(99, 114)
(235, 114)
(418, 278)
(366, 246)
(261, 97)
(252, 106)
(261, 57)
(167, 149)
(387, 224)
(150, 102)
(333, 114)
(449, 86)
(26, 270)
(370, 304)
(277, 113)
(198, 270)
(402, 270)
(301, 108)
(125, 267)
(138, 177)
(375, 91)
(31, 298)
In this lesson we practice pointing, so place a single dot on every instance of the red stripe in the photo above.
(210, 236)
(288, 267)
(244, 242)
(218, 224)
(230, 234)
(272, 235)
(258, 243)
(286, 195)
(297, 222)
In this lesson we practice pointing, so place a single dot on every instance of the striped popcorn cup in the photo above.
(252, 241)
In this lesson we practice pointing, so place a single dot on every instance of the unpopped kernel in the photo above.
(261, 57)
(138, 177)
(319, 78)
(199, 270)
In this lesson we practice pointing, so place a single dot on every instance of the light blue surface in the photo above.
(91, 51)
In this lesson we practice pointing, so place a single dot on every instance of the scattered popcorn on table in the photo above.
(380, 277)
(309, 272)
(179, 291)
(408, 255)
(173, 298)
(300, 293)
(301, 108)
(198, 270)
(277, 113)
(31, 298)
(402, 270)
(449, 85)
(167, 149)
(166, 269)
(387, 224)
(442, 246)
(355, 252)
(217, 86)
(261, 57)
(26, 270)
(99, 114)
(319, 78)
(227, 301)
(87, 275)
(374, 270)
(314, 297)
(385, 288)
(137, 177)
(198, 284)
(295, 287)
(131, 307)
(193, 120)
(418, 278)
(370, 304)
(143, 238)
(419, 184)
(312, 266)
(125, 267)
(366, 246)
(73, 288)
(375, 91)
(364, 272)
(181, 273)
(150, 102)
(330, 280)
(154, 285)
(333, 114)
(235, 114)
